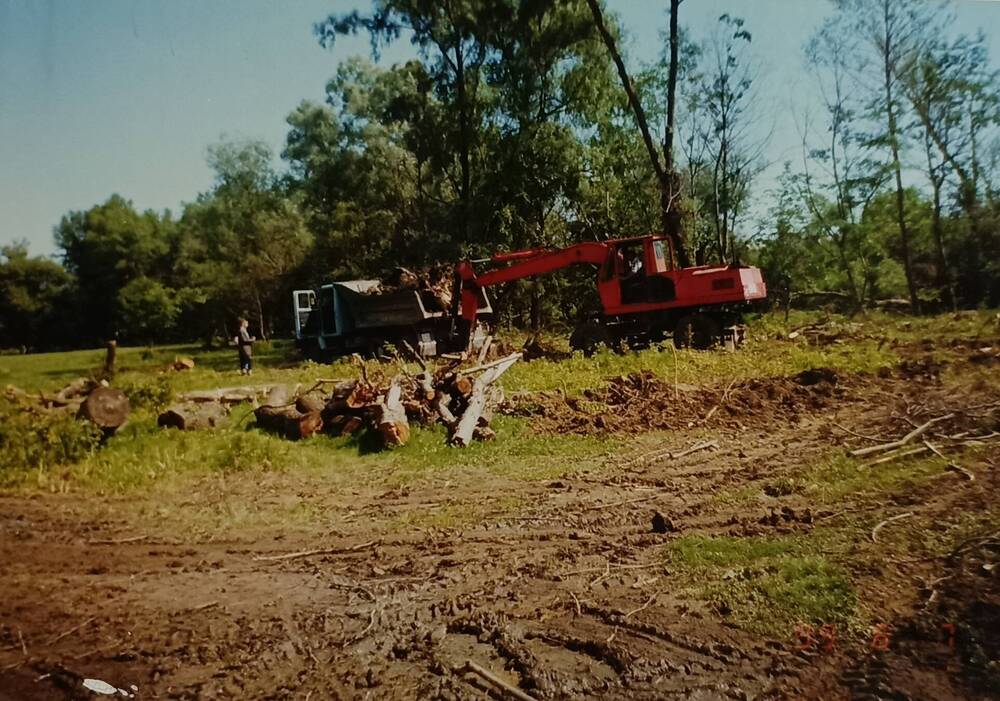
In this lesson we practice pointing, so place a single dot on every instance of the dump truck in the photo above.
(361, 316)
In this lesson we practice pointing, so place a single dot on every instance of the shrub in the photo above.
(39, 440)
(147, 392)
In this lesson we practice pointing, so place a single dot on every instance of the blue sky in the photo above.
(123, 96)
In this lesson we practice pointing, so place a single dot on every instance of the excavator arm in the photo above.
(523, 264)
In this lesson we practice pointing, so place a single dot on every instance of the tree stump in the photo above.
(106, 408)
(109, 359)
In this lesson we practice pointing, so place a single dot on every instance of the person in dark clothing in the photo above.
(244, 344)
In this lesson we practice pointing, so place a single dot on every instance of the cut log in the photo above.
(478, 400)
(484, 433)
(228, 395)
(425, 384)
(444, 411)
(343, 425)
(288, 421)
(391, 418)
(71, 394)
(106, 408)
(311, 402)
(351, 396)
(485, 350)
(192, 416)
(494, 398)
(462, 386)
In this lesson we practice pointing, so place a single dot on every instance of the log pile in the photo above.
(462, 399)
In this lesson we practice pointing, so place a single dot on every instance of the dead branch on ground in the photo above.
(889, 520)
(318, 551)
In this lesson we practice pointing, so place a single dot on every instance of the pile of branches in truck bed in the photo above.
(463, 399)
(437, 282)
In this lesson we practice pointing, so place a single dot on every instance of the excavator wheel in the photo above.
(698, 331)
(588, 336)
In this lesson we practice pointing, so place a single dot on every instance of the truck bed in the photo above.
(381, 309)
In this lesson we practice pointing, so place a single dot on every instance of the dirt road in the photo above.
(565, 593)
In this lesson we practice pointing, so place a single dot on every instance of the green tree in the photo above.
(890, 35)
(105, 248)
(36, 298)
(241, 242)
(953, 91)
(148, 310)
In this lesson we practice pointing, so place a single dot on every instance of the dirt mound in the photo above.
(643, 401)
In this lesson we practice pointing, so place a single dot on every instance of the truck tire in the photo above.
(698, 331)
(588, 336)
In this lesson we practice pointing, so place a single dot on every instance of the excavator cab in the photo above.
(643, 269)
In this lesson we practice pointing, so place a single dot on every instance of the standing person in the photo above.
(244, 344)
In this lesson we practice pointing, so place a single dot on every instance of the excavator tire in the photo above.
(588, 336)
(698, 331)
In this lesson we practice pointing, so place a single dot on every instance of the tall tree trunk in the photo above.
(260, 318)
(943, 277)
(856, 296)
(464, 139)
(890, 112)
(673, 225)
(666, 199)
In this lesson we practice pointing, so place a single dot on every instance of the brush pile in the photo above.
(464, 399)
(436, 284)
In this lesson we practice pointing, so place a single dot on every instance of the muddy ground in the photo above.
(568, 596)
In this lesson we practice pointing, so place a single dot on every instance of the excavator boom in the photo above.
(526, 264)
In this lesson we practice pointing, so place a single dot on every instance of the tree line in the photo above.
(520, 124)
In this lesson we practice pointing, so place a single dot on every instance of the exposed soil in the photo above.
(642, 402)
(567, 598)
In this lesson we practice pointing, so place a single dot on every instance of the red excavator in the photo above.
(644, 295)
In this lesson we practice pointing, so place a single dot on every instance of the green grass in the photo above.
(457, 514)
(840, 476)
(142, 454)
(767, 585)
(767, 352)
(757, 358)
(274, 360)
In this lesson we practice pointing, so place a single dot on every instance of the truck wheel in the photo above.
(697, 331)
(588, 336)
